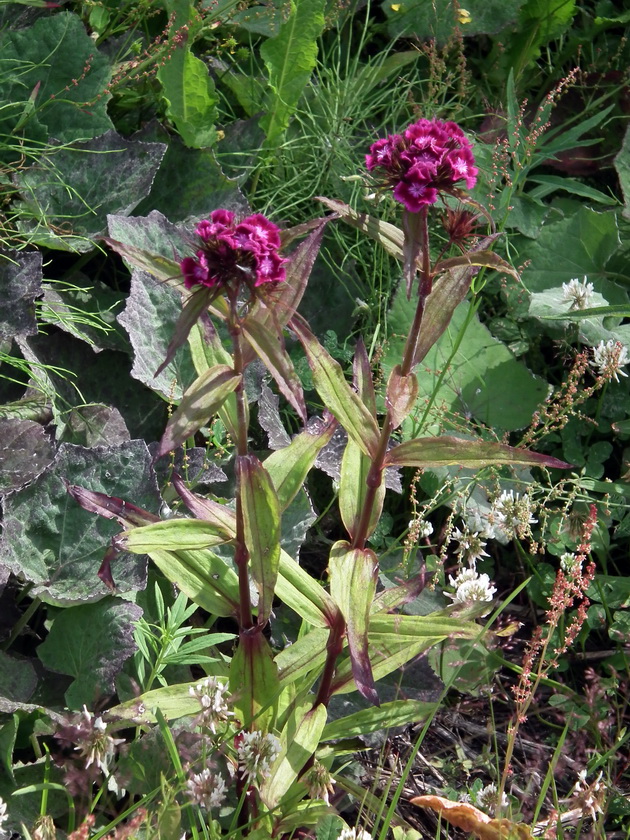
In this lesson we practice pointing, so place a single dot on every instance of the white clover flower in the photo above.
(94, 744)
(214, 708)
(569, 563)
(471, 545)
(354, 834)
(3, 812)
(578, 293)
(488, 799)
(256, 753)
(206, 789)
(589, 797)
(425, 529)
(609, 357)
(470, 587)
(319, 782)
(512, 513)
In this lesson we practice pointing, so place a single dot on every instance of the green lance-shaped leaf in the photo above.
(299, 740)
(173, 701)
(362, 377)
(447, 450)
(190, 96)
(196, 304)
(261, 523)
(305, 656)
(396, 639)
(396, 713)
(165, 269)
(353, 574)
(203, 576)
(207, 351)
(288, 467)
(336, 393)
(353, 489)
(449, 290)
(389, 236)
(269, 347)
(254, 683)
(477, 259)
(303, 594)
(203, 399)
(294, 585)
(172, 535)
(401, 395)
(290, 59)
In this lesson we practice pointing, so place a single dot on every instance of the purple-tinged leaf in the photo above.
(353, 575)
(336, 393)
(397, 596)
(285, 299)
(203, 399)
(196, 304)
(449, 290)
(220, 516)
(362, 377)
(269, 347)
(111, 507)
(401, 395)
(20, 283)
(261, 525)
(447, 450)
(394, 640)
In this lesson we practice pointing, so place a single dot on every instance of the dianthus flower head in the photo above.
(429, 157)
(235, 251)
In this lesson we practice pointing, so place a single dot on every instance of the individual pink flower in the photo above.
(235, 252)
(429, 157)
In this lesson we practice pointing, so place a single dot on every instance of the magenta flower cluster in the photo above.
(429, 157)
(235, 251)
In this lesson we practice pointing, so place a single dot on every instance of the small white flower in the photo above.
(569, 563)
(470, 586)
(488, 799)
(512, 513)
(471, 545)
(578, 293)
(211, 696)
(94, 744)
(3, 812)
(609, 357)
(206, 789)
(354, 834)
(425, 529)
(319, 782)
(256, 753)
(589, 797)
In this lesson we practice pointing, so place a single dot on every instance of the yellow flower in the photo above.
(463, 16)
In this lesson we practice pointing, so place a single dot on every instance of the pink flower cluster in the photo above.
(430, 156)
(235, 252)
